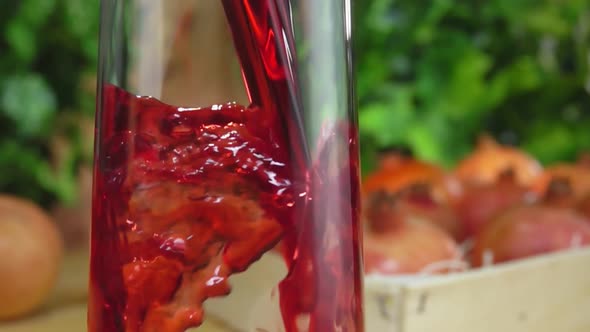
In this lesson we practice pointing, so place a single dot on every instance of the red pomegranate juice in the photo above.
(186, 197)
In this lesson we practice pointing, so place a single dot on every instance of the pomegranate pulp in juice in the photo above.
(186, 197)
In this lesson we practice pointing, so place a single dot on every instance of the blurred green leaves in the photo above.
(47, 48)
(22, 40)
(35, 12)
(28, 97)
(81, 20)
(434, 75)
(28, 172)
(30, 16)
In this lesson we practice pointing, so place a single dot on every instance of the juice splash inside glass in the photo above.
(188, 197)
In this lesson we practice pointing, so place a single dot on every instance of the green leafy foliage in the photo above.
(47, 48)
(432, 76)
(27, 97)
(435, 74)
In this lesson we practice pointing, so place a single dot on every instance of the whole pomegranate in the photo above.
(584, 206)
(415, 202)
(576, 176)
(398, 172)
(490, 160)
(480, 203)
(410, 249)
(403, 243)
(559, 193)
(528, 231)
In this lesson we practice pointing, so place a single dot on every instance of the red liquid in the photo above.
(184, 198)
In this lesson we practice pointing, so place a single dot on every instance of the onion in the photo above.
(417, 202)
(528, 231)
(411, 248)
(481, 203)
(490, 159)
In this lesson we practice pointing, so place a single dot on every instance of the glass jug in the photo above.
(217, 207)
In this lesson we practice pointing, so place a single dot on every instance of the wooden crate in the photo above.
(549, 293)
(544, 294)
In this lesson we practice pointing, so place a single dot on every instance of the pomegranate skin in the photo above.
(575, 176)
(490, 160)
(409, 249)
(584, 207)
(396, 174)
(480, 204)
(416, 202)
(529, 231)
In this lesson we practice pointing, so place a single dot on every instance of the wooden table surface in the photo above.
(66, 310)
